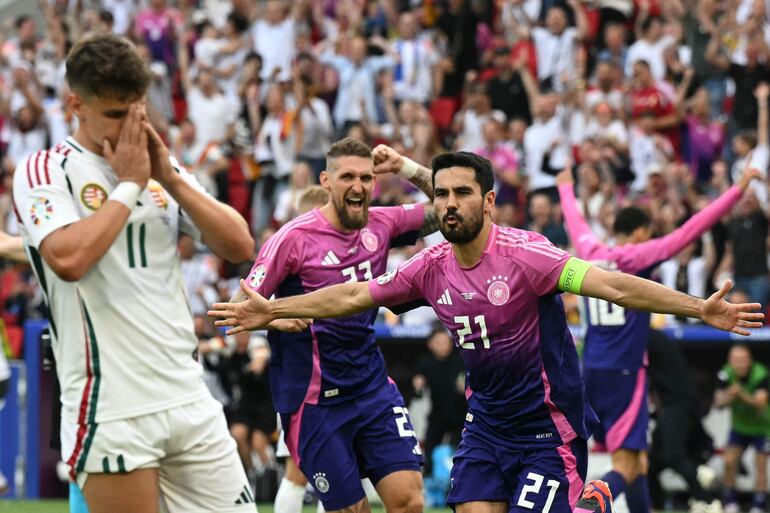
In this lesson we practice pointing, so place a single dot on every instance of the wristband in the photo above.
(409, 168)
(126, 193)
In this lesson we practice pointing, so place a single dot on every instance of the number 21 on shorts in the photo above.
(534, 487)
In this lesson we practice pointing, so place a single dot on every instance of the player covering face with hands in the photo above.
(100, 213)
(497, 291)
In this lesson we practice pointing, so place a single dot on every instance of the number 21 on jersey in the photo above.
(466, 330)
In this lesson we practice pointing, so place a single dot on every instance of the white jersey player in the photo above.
(100, 214)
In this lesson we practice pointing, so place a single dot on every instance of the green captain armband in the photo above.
(571, 279)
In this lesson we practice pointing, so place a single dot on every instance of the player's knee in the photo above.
(409, 502)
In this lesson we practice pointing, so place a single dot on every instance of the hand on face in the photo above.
(130, 158)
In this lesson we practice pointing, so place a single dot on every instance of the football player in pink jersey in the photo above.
(498, 292)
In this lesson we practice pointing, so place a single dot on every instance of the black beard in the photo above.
(347, 221)
(465, 231)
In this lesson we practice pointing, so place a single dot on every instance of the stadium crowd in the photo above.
(655, 103)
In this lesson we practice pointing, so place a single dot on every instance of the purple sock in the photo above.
(616, 483)
(730, 496)
(638, 496)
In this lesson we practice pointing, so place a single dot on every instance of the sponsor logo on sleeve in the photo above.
(385, 278)
(41, 210)
(257, 276)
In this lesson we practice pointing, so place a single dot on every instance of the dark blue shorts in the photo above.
(545, 480)
(619, 398)
(760, 443)
(337, 445)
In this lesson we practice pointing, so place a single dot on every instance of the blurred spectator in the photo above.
(649, 46)
(275, 150)
(414, 73)
(356, 97)
(615, 51)
(545, 145)
(556, 46)
(252, 416)
(541, 212)
(700, 24)
(207, 103)
(746, 249)
(273, 33)
(287, 205)
(747, 72)
(704, 138)
(457, 24)
(504, 163)
(506, 88)
(743, 385)
(443, 373)
(475, 112)
(688, 271)
(317, 128)
(157, 25)
(199, 274)
(205, 160)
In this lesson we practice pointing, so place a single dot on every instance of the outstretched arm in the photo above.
(586, 245)
(639, 294)
(257, 312)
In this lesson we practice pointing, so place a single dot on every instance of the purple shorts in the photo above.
(337, 445)
(760, 443)
(548, 479)
(619, 398)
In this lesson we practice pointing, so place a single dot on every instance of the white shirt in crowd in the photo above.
(555, 54)
(471, 137)
(270, 147)
(760, 159)
(538, 139)
(275, 43)
(211, 115)
(650, 52)
(413, 75)
(317, 129)
(645, 155)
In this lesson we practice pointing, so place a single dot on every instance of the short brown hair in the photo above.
(347, 147)
(107, 66)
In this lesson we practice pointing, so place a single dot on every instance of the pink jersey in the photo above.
(617, 338)
(523, 380)
(337, 358)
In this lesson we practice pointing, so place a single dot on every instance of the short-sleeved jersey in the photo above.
(123, 334)
(616, 338)
(336, 359)
(523, 379)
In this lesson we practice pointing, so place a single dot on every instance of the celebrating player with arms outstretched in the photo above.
(100, 214)
(496, 289)
(614, 356)
(342, 416)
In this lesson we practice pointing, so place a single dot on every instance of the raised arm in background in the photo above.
(640, 256)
